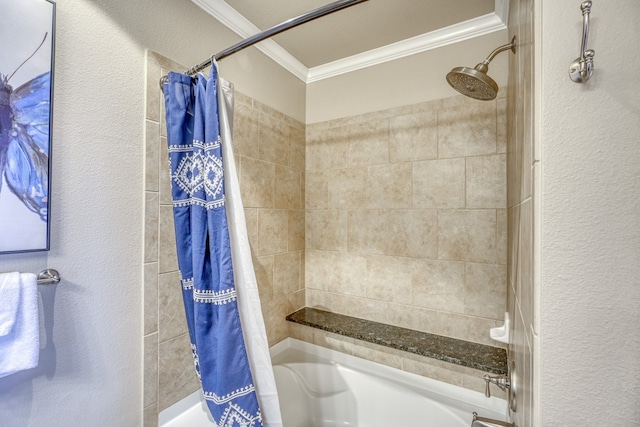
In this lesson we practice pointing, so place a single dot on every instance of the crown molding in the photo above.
(480, 26)
(502, 10)
(240, 25)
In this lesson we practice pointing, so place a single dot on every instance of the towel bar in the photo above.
(48, 277)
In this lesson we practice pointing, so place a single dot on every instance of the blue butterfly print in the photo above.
(24, 141)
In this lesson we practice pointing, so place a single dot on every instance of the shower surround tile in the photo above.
(172, 320)
(326, 230)
(389, 186)
(368, 144)
(167, 257)
(152, 155)
(486, 185)
(150, 298)
(297, 147)
(467, 130)
(287, 273)
(327, 149)
(467, 235)
(263, 267)
(412, 233)
(439, 184)
(271, 238)
(346, 188)
(522, 193)
(151, 416)
(317, 190)
(439, 285)
(295, 230)
(177, 377)
(257, 183)
(273, 139)
(389, 279)
(151, 214)
(288, 188)
(150, 370)
(485, 290)
(422, 189)
(413, 137)
(245, 131)
(366, 231)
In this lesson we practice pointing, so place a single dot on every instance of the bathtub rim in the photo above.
(396, 375)
(321, 354)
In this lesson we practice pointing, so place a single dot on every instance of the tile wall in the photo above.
(522, 165)
(406, 219)
(270, 155)
(397, 216)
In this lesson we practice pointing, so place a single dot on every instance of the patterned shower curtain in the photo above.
(205, 257)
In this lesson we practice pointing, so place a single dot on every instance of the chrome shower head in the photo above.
(474, 82)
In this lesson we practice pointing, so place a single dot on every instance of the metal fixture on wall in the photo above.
(474, 82)
(581, 69)
(49, 277)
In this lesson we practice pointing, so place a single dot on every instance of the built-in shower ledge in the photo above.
(478, 356)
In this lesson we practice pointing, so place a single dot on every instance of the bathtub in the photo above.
(319, 387)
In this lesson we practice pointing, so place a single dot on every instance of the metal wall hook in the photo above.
(581, 69)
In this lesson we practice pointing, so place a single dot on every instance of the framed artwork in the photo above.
(26, 95)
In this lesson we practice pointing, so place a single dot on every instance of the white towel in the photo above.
(9, 301)
(20, 345)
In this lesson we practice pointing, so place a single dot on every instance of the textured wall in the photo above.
(589, 306)
(90, 360)
(406, 219)
(270, 156)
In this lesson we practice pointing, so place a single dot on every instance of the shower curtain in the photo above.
(219, 288)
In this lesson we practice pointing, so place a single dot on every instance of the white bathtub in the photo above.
(318, 387)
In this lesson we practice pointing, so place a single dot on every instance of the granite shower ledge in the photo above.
(464, 353)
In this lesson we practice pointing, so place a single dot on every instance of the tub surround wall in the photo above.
(406, 219)
(270, 155)
(523, 163)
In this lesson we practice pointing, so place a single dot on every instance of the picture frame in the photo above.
(27, 40)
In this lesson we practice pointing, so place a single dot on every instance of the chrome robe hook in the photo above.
(581, 69)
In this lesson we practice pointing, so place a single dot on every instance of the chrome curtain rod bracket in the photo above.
(49, 277)
(581, 69)
(277, 29)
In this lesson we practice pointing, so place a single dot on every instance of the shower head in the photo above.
(474, 82)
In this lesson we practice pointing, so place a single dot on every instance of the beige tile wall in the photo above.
(406, 216)
(521, 165)
(270, 155)
(405, 224)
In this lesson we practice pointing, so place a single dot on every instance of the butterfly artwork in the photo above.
(25, 112)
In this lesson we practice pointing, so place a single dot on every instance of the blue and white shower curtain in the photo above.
(233, 364)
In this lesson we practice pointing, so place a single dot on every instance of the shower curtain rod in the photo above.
(277, 29)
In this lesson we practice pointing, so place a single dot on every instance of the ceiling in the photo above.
(359, 36)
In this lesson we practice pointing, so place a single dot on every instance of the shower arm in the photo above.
(483, 67)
